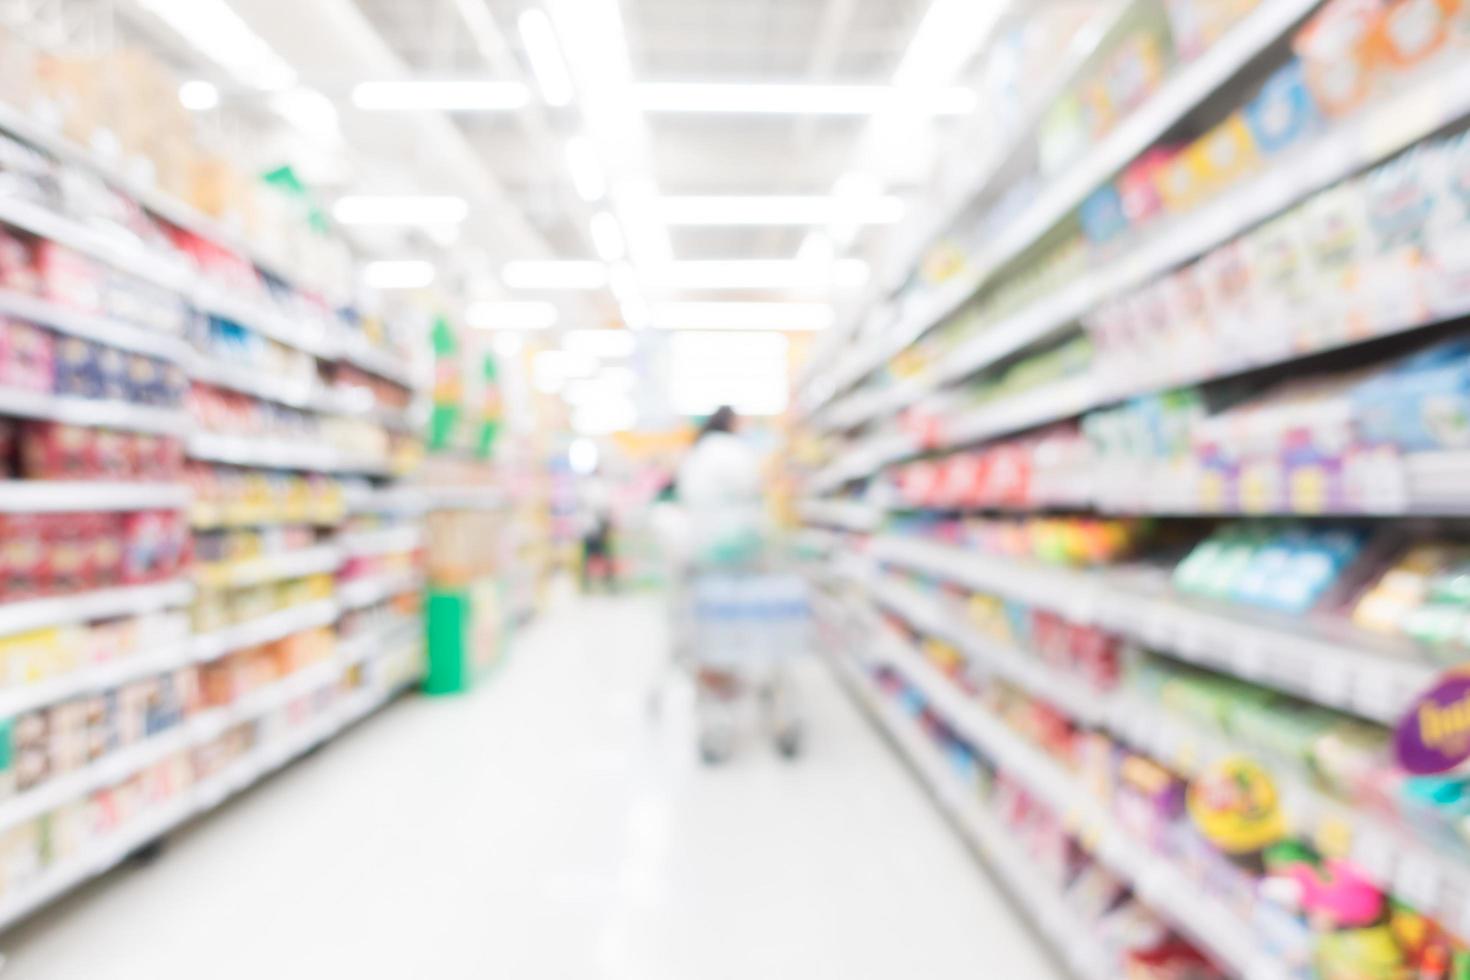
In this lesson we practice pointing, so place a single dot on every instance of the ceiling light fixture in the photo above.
(759, 274)
(605, 344)
(398, 274)
(441, 96)
(607, 237)
(790, 317)
(544, 53)
(586, 171)
(497, 315)
(950, 34)
(400, 209)
(629, 295)
(555, 274)
(798, 99)
(780, 211)
(214, 29)
(197, 95)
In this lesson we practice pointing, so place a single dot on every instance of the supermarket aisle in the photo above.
(542, 828)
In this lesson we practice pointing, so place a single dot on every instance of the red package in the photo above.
(67, 278)
(55, 451)
(1138, 186)
(66, 564)
(111, 454)
(27, 356)
(8, 466)
(17, 263)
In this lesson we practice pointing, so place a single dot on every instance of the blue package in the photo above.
(1102, 215)
(1422, 403)
(1283, 111)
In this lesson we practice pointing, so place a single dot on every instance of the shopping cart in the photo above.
(738, 633)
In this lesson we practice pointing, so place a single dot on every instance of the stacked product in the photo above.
(181, 429)
(1220, 275)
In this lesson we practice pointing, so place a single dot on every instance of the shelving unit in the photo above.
(153, 642)
(1107, 393)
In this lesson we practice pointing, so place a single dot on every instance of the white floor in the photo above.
(545, 827)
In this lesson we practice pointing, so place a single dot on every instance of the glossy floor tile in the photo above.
(549, 826)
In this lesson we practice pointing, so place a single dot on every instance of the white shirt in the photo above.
(720, 489)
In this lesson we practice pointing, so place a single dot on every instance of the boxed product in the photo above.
(1283, 113)
(1336, 49)
(27, 355)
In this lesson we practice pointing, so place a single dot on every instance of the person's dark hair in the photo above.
(722, 421)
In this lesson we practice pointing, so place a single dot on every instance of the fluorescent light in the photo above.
(607, 237)
(789, 210)
(567, 274)
(586, 171)
(398, 274)
(743, 316)
(607, 344)
(628, 293)
(797, 99)
(218, 33)
(508, 344)
(197, 95)
(400, 209)
(582, 456)
(495, 315)
(950, 34)
(482, 27)
(309, 111)
(595, 391)
(558, 366)
(546, 60)
(604, 420)
(440, 96)
(759, 274)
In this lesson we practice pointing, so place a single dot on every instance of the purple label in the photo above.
(1434, 736)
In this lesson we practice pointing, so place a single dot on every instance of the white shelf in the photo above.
(1349, 146)
(1188, 87)
(363, 355)
(199, 798)
(277, 454)
(1159, 883)
(34, 614)
(1349, 672)
(1397, 861)
(844, 515)
(366, 592)
(97, 328)
(255, 381)
(118, 249)
(1041, 901)
(64, 497)
(112, 768)
(211, 724)
(354, 650)
(169, 208)
(270, 568)
(387, 541)
(266, 629)
(19, 698)
(259, 317)
(407, 500)
(98, 413)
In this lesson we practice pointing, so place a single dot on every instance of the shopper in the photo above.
(598, 561)
(719, 486)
